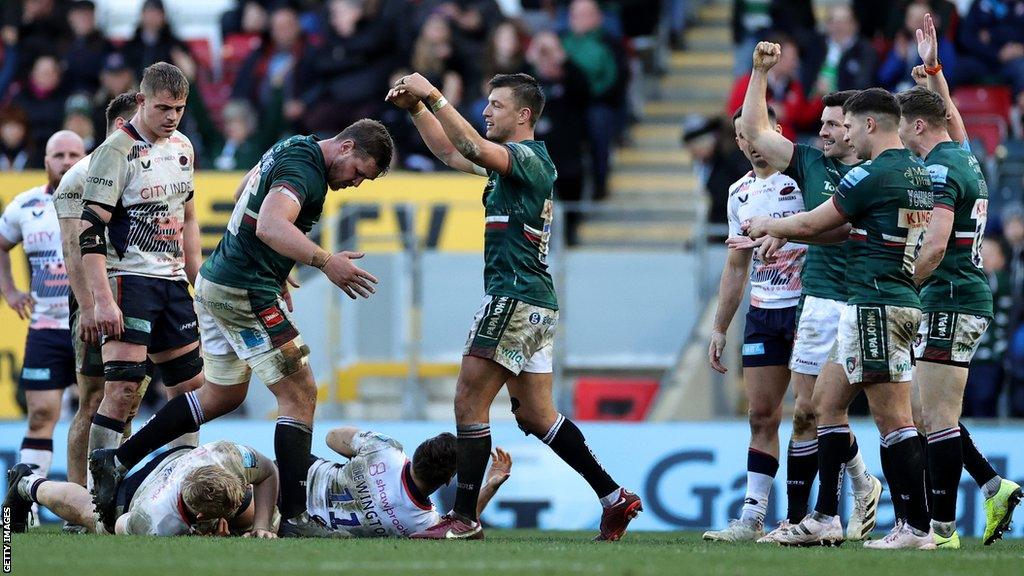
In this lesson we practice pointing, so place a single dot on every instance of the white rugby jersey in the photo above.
(145, 186)
(30, 219)
(775, 285)
(68, 197)
(372, 495)
(156, 509)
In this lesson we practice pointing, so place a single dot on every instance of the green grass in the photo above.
(49, 553)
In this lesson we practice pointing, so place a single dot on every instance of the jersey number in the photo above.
(979, 213)
(243, 202)
(352, 519)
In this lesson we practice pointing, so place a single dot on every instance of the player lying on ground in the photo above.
(956, 298)
(824, 294)
(511, 339)
(242, 303)
(770, 325)
(380, 492)
(181, 491)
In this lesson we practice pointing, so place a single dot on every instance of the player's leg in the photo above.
(182, 371)
(88, 367)
(68, 500)
(802, 453)
(1001, 495)
(293, 437)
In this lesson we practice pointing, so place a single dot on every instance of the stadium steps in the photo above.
(654, 197)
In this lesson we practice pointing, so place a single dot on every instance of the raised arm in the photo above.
(754, 123)
(432, 132)
(928, 49)
(340, 440)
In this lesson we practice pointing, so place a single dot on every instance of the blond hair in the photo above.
(212, 491)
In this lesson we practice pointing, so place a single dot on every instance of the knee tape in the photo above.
(274, 365)
(182, 369)
(121, 371)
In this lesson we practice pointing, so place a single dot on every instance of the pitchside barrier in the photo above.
(690, 475)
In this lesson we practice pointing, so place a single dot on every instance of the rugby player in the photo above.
(183, 490)
(379, 492)
(824, 294)
(49, 363)
(241, 300)
(138, 193)
(770, 323)
(955, 296)
(512, 336)
(88, 356)
(888, 202)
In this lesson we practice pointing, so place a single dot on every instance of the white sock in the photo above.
(859, 476)
(25, 486)
(755, 505)
(101, 437)
(612, 498)
(991, 488)
(41, 458)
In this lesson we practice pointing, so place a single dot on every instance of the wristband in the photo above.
(436, 100)
(933, 71)
(418, 110)
(319, 258)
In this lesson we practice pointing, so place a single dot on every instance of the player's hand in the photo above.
(715, 352)
(401, 98)
(21, 302)
(416, 85)
(109, 318)
(260, 533)
(88, 329)
(766, 56)
(345, 275)
(919, 75)
(501, 467)
(742, 242)
(286, 295)
(756, 227)
(769, 249)
(928, 43)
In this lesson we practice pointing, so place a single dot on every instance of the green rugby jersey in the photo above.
(959, 283)
(518, 210)
(824, 272)
(242, 260)
(888, 201)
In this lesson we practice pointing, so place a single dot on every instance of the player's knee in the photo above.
(529, 421)
(803, 419)
(183, 368)
(42, 417)
(764, 419)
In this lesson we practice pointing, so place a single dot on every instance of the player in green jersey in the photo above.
(823, 277)
(887, 200)
(511, 339)
(956, 299)
(242, 303)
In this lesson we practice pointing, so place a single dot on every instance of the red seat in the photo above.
(971, 100)
(201, 52)
(237, 48)
(990, 129)
(613, 398)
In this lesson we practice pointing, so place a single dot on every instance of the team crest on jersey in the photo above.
(183, 161)
(787, 190)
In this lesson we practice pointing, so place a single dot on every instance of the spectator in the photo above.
(281, 54)
(348, 73)
(435, 57)
(115, 78)
(15, 144)
(78, 119)
(154, 41)
(8, 57)
(504, 54)
(37, 27)
(718, 162)
(601, 60)
(992, 38)
(42, 99)
(843, 60)
(561, 127)
(796, 113)
(249, 18)
(753, 20)
(84, 57)
(893, 16)
(471, 22)
(894, 74)
(987, 373)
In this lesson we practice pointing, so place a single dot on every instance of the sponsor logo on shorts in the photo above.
(511, 355)
(215, 304)
(851, 364)
(755, 349)
(535, 318)
(903, 366)
(189, 325)
(941, 326)
(872, 333)
(271, 316)
(35, 373)
(137, 324)
(497, 317)
(252, 338)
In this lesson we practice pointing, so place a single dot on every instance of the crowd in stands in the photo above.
(867, 43)
(314, 66)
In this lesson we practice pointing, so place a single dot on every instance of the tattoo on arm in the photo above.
(468, 148)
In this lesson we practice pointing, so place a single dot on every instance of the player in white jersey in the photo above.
(67, 201)
(48, 366)
(770, 327)
(379, 492)
(184, 490)
(138, 195)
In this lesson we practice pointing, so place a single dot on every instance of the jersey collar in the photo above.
(132, 131)
(422, 502)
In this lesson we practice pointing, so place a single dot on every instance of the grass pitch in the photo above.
(512, 552)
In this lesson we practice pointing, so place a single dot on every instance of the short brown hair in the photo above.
(212, 491)
(838, 98)
(920, 102)
(525, 89)
(123, 105)
(877, 103)
(434, 460)
(163, 76)
(373, 140)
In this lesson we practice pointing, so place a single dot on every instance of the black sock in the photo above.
(974, 461)
(833, 450)
(945, 462)
(885, 455)
(566, 440)
(923, 440)
(181, 415)
(908, 464)
(292, 443)
(473, 450)
(801, 468)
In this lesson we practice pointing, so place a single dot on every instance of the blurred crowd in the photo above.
(866, 43)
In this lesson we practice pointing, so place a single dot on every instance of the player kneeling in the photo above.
(182, 491)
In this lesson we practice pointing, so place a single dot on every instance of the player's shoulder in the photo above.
(859, 174)
(121, 140)
(180, 141)
(781, 182)
(809, 153)
(28, 198)
(742, 183)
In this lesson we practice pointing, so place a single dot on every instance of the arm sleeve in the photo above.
(853, 196)
(250, 463)
(10, 225)
(733, 217)
(66, 200)
(369, 441)
(292, 172)
(108, 173)
(944, 189)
